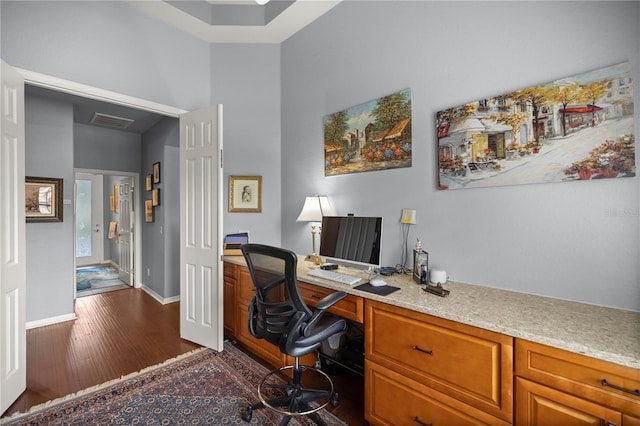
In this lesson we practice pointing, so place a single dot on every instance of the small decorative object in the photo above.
(575, 128)
(156, 172)
(420, 265)
(148, 182)
(375, 135)
(148, 211)
(155, 197)
(43, 199)
(438, 276)
(245, 194)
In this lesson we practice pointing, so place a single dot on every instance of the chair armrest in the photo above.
(330, 300)
(322, 305)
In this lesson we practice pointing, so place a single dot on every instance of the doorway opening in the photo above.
(105, 231)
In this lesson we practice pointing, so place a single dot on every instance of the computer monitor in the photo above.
(351, 240)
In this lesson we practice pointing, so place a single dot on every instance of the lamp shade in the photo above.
(314, 208)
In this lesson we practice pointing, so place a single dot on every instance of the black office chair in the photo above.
(279, 315)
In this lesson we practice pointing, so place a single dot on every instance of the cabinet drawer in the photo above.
(229, 270)
(393, 399)
(468, 363)
(538, 405)
(351, 307)
(245, 289)
(579, 374)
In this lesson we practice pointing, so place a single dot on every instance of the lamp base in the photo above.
(313, 258)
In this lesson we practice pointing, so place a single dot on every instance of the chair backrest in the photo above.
(277, 299)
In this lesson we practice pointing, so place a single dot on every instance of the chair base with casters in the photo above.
(293, 398)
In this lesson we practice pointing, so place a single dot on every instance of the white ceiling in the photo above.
(192, 15)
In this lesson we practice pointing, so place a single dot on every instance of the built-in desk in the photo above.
(533, 355)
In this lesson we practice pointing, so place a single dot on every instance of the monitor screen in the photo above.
(351, 240)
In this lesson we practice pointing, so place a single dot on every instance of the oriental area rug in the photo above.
(201, 387)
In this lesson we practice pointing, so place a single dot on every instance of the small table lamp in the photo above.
(314, 208)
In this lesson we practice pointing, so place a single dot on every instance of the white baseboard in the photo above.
(159, 298)
(50, 321)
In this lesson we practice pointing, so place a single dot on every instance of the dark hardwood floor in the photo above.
(118, 333)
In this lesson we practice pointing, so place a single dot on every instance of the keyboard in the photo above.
(334, 276)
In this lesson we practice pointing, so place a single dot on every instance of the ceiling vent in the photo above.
(110, 121)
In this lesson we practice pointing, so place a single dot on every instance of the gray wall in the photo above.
(246, 81)
(49, 245)
(549, 239)
(110, 45)
(160, 261)
(100, 148)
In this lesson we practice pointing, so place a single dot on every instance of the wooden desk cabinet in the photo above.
(420, 366)
(420, 369)
(555, 387)
(238, 292)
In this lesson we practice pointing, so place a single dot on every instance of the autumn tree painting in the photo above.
(576, 128)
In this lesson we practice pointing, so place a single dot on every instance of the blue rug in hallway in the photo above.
(97, 277)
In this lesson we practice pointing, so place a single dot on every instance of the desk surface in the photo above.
(600, 332)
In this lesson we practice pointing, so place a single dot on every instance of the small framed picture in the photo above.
(155, 197)
(43, 199)
(245, 194)
(156, 172)
(148, 183)
(148, 211)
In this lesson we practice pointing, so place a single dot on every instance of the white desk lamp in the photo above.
(315, 206)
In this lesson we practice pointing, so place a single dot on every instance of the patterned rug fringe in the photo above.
(62, 399)
(202, 386)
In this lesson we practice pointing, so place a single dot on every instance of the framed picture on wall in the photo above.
(245, 194)
(148, 183)
(148, 211)
(155, 197)
(43, 199)
(156, 172)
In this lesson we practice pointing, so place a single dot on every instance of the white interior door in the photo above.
(89, 219)
(13, 356)
(125, 230)
(200, 227)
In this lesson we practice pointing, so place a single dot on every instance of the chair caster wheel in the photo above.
(334, 400)
(246, 414)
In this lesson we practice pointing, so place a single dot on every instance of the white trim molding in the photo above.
(78, 89)
(51, 321)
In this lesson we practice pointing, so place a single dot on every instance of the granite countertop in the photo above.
(605, 333)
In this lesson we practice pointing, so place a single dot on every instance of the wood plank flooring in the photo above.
(118, 333)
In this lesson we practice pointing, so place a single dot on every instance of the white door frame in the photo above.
(137, 230)
(66, 86)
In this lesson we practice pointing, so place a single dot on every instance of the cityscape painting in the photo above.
(375, 135)
(575, 128)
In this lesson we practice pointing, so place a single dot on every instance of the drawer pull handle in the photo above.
(418, 348)
(632, 392)
(417, 420)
